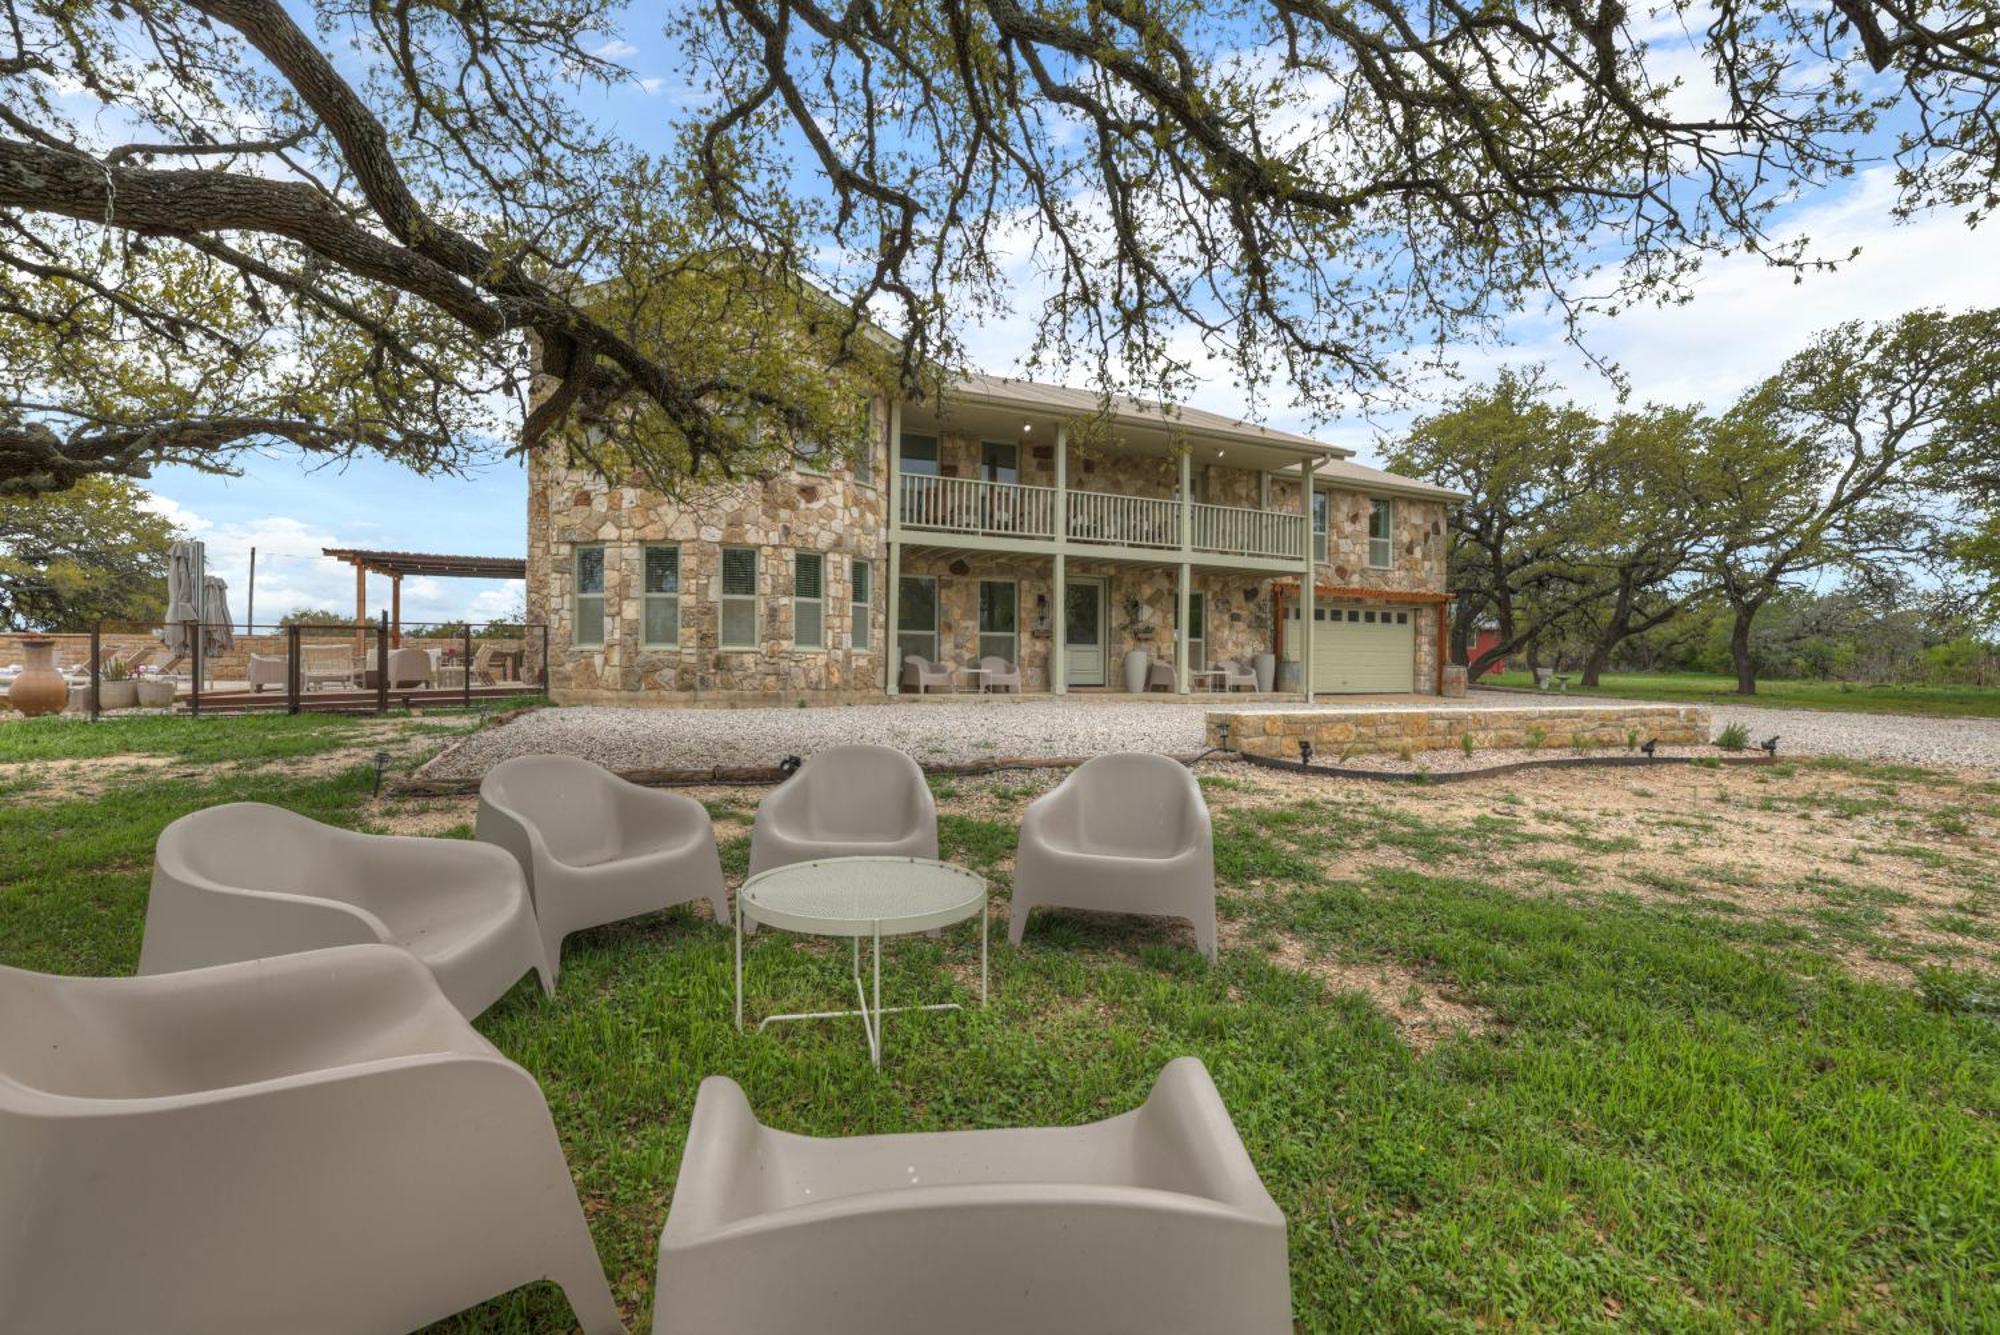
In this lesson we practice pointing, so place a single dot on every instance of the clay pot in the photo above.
(40, 689)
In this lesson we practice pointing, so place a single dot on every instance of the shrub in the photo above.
(1465, 743)
(1534, 737)
(1733, 738)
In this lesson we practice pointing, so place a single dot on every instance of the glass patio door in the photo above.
(1083, 632)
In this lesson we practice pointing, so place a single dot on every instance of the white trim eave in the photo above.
(1250, 434)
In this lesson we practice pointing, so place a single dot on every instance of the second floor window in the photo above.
(589, 597)
(919, 455)
(662, 597)
(1381, 548)
(864, 444)
(809, 600)
(1319, 526)
(861, 621)
(739, 598)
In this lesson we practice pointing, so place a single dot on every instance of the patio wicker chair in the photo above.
(1237, 674)
(845, 802)
(411, 667)
(1153, 1220)
(308, 1143)
(596, 849)
(266, 670)
(1001, 672)
(1124, 833)
(921, 674)
(245, 880)
(1161, 672)
(327, 665)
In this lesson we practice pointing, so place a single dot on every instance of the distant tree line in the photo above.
(1869, 462)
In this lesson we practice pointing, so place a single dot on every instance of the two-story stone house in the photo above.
(988, 526)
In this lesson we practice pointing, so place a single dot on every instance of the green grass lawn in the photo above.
(1665, 1116)
(1974, 701)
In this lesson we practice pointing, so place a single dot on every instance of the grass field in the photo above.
(1969, 701)
(1700, 1050)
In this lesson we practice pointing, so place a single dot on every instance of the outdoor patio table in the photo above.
(1207, 679)
(856, 898)
(978, 675)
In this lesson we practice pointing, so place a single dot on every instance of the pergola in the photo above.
(398, 564)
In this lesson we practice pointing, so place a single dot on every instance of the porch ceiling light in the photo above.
(1026, 427)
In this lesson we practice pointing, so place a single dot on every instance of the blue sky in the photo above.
(1744, 319)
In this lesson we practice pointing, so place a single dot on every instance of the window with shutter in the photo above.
(662, 597)
(739, 598)
(861, 619)
(589, 630)
(809, 600)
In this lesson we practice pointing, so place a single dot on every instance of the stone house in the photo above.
(1015, 520)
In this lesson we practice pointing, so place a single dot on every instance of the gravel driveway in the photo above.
(637, 739)
(1969, 742)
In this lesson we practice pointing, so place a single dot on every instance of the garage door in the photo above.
(1364, 649)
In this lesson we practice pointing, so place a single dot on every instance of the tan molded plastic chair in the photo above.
(596, 849)
(245, 880)
(309, 1143)
(846, 802)
(1152, 1221)
(920, 674)
(1124, 833)
(1001, 673)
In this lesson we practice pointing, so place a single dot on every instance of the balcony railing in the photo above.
(965, 505)
(1096, 518)
(1124, 521)
(1238, 532)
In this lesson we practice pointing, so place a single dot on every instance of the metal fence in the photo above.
(208, 668)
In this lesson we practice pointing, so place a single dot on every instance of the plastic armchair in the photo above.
(1001, 672)
(1153, 1221)
(267, 670)
(246, 880)
(309, 1143)
(410, 667)
(1162, 672)
(921, 674)
(846, 802)
(1124, 833)
(595, 848)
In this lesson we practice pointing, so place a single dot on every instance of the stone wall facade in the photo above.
(846, 519)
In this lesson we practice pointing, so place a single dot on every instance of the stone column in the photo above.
(1309, 582)
(1058, 650)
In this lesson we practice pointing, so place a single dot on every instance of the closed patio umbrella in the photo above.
(183, 560)
(218, 631)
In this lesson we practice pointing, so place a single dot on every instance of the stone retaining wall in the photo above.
(1334, 732)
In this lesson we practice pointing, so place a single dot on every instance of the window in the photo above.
(1319, 526)
(861, 618)
(1402, 618)
(999, 461)
(916, 616)
(1197, 634)
(920, 455)
(1368, 617)
(1352, 614)
(662, 597)
(739, 597)
(998, 601)
(589, 597)
(1381, 515)
(809, 600)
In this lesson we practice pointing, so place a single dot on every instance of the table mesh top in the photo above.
(863, 890)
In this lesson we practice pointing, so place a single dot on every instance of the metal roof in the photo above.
(431, 563)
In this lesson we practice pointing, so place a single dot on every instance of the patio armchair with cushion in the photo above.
(1124, 833)
(313, 1143)
(411, 667)
(1237, 674)
(596, 849)
(921, 674)
(1001, 673)
(846, 802)
(266, 670)
(1153, 1220)
(245, 880)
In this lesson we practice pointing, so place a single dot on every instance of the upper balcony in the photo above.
(1033, 518)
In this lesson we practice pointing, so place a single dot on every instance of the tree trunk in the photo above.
(1739, 648)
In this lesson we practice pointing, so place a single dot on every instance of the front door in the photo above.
(1083, 632)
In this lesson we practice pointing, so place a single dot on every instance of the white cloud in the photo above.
(615, 47)
(652, 86)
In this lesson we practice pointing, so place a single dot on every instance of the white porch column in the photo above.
(892, 654)
(1181, 665)
(1309, 581)
(1058, 594)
